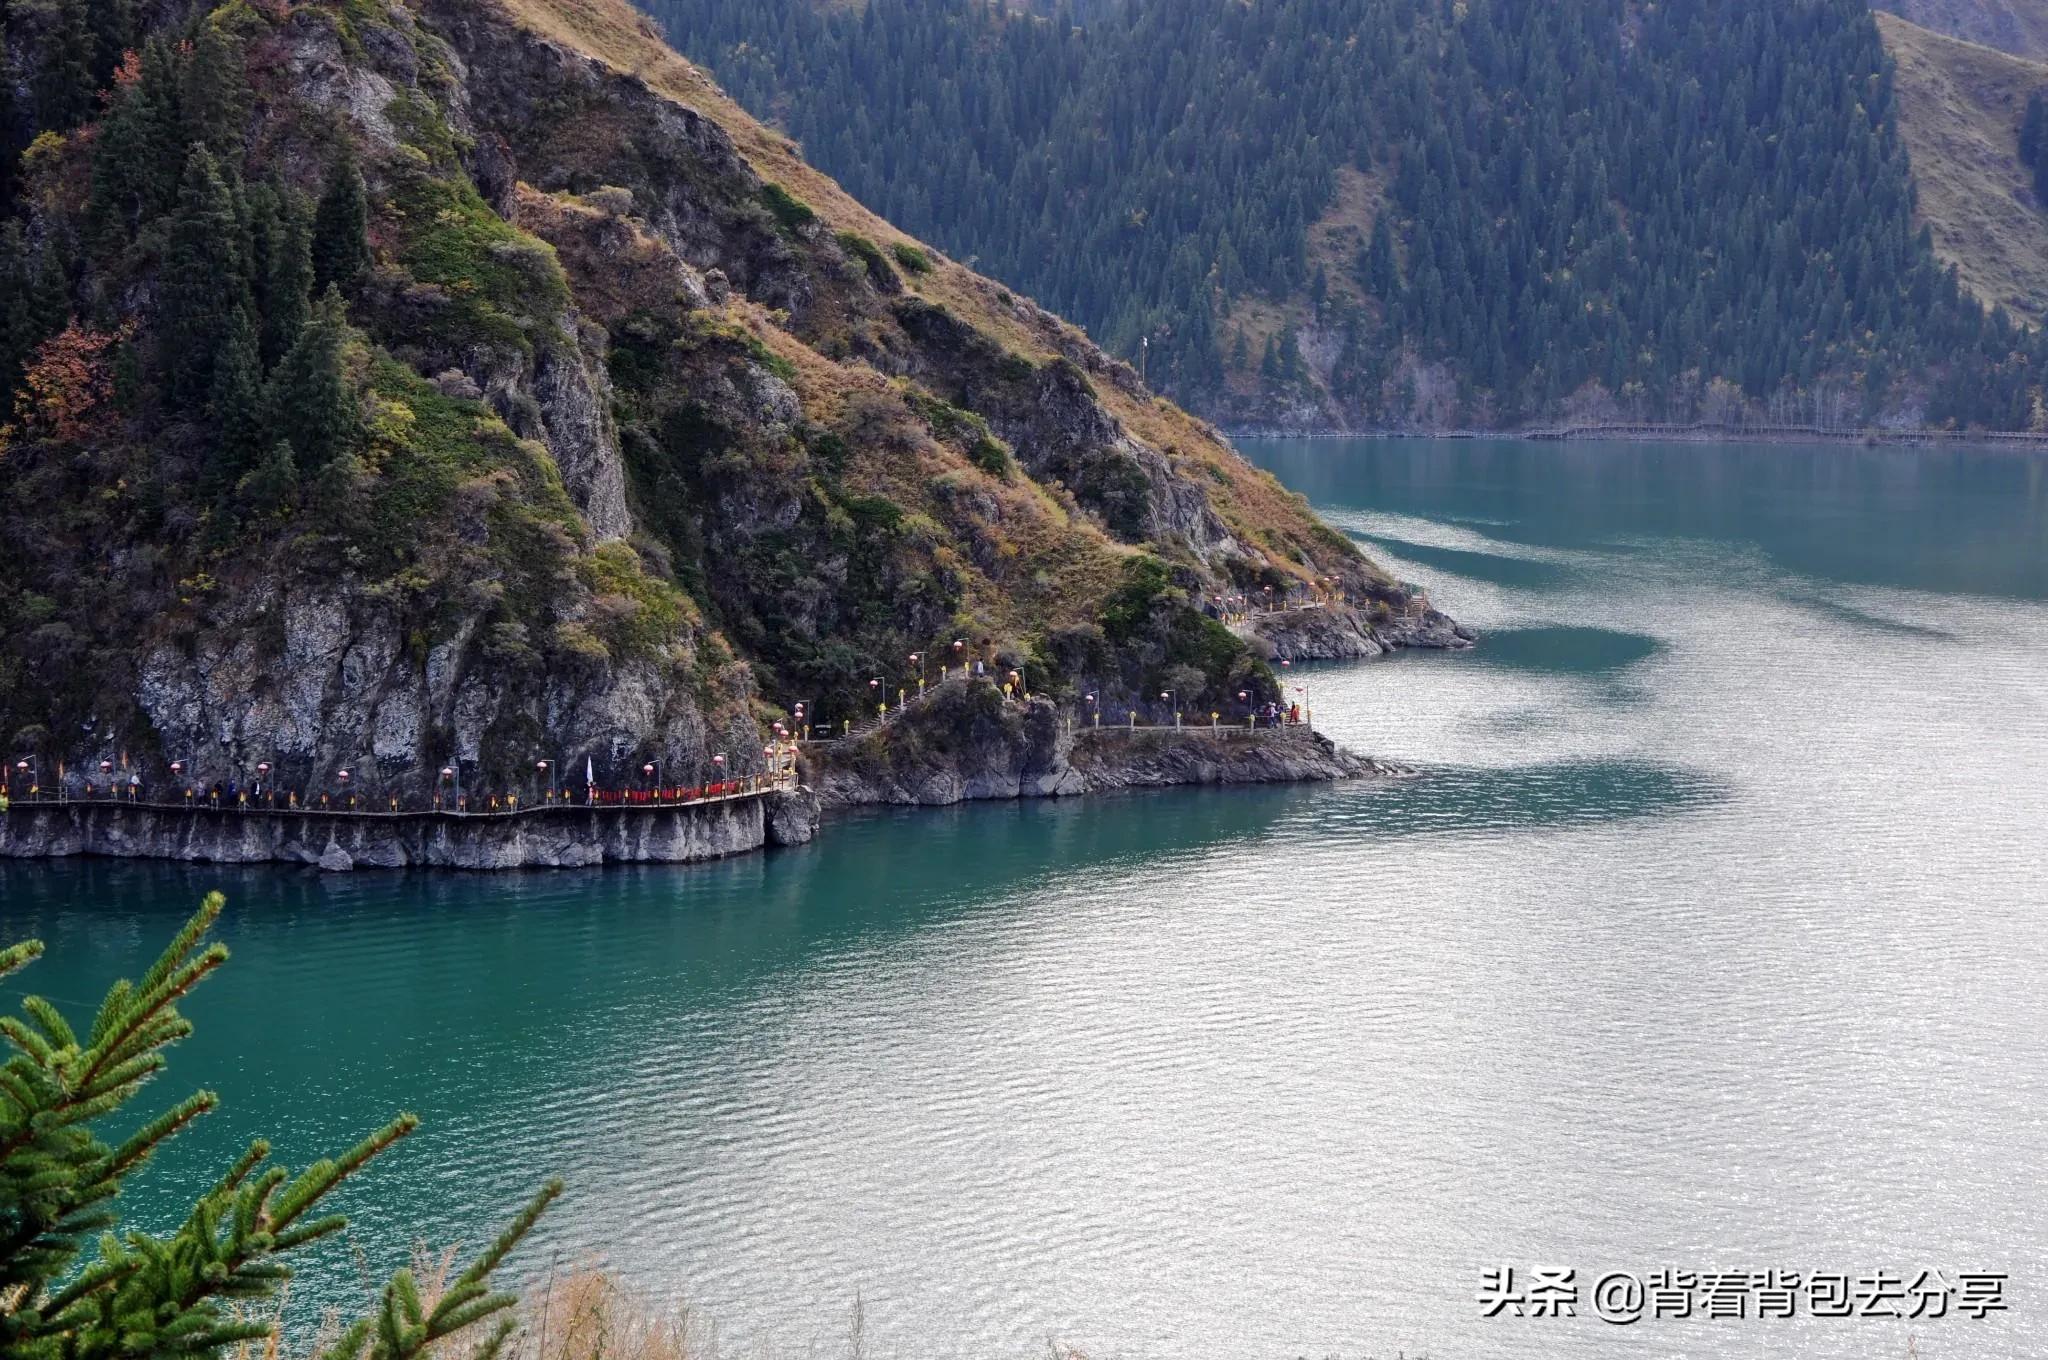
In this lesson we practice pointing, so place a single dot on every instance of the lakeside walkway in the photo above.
(1245, 728)
(357, 808)
(349, 804)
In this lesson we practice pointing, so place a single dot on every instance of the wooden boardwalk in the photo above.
(730, 791)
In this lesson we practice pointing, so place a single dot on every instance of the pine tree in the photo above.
(136, 161)
(113, 32)
(2034, 141)
(312, 406)
(237, 407)
(76, 1289)
(203, 282)
(216, 93)
(272, 486)
(14, 304)
(288, 282)
(1291, 366)
(1382, 270)
(61, 83)
(47, 293)
(341, 226)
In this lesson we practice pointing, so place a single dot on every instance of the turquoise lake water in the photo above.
(1712, 936)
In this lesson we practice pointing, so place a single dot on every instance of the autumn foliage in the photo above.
(67, 384)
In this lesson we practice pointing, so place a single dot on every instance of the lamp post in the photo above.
(718, 768)
(650, 770)
(451, 773)
(347, 788)
(1167, 695)
(180, 769)
(917, 660)
(263, 782)
(1095, 707)
(31, 769)
(960, 655)
(552, 772)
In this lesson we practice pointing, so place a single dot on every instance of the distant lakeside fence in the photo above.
(1086, 720)
(1697, 432)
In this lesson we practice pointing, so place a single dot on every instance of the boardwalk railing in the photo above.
(270, 804)
(854, 731)
(1234, 729)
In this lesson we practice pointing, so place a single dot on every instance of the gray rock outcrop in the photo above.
(1335, 633)
(557, 838)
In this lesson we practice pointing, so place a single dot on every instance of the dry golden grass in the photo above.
(2016, 26)
(1336, 238)
(1959, 112)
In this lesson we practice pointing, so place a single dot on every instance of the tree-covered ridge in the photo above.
(1667, 210)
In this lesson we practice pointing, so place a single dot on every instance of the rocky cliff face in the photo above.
(649, 434)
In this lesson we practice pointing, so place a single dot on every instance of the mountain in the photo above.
(1392, 214)
(1960, 109)
(2018, 27)
(402, 382)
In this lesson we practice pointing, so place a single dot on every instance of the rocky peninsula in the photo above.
(469, 393)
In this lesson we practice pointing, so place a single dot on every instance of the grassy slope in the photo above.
(2016, 26)
(1959, 111)
(1257, 508)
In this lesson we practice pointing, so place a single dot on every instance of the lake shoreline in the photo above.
(959, 743)
(1988, 440)
(1034, 752)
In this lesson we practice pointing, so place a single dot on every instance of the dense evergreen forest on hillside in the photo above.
(1672, 211)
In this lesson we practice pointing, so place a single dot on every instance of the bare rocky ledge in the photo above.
(1333, 633)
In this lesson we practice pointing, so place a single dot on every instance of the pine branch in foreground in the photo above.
(73, 1286)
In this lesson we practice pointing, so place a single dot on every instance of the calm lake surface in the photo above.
(1713, 936)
